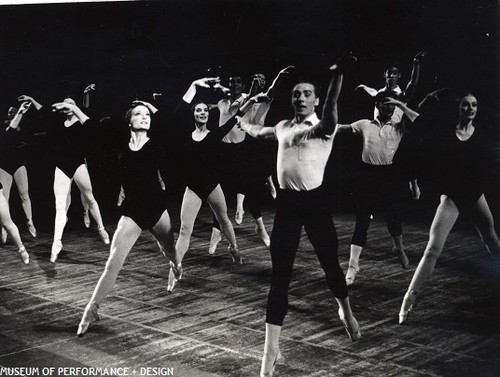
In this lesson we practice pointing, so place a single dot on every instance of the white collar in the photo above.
(312, 119)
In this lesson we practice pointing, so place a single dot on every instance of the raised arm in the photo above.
(371, 91)
(25, 98)
(65, 108)
(206, 82)
(329, 117)
(411, 114)
(270, 91)
(258, 131)
(14, 123)
(415, 75)
(86, 95)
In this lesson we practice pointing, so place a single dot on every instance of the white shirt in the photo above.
(302, 155)
(227, 110)
(380, 141)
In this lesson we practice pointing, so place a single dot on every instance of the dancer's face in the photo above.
(236, 85)
(304, 99)
(392, 76)
(467, 109)
(201, 113)
(385, 108)
(259, 81)
(11, 112)
(140, 118)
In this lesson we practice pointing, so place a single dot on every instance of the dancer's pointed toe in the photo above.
(89, 315)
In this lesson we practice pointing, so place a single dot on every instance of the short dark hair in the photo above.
(392, 69)
(315, 87)
(196, 104)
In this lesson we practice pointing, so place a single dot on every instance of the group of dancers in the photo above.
(457, 148)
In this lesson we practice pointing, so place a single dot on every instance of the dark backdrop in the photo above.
(132, 49)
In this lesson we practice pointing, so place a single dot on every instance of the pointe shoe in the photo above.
(215, 238)
(235, 254)
(86, 219)
(24, 255)
(403, 259)
(174, 275)
(56, 249)
(238, 218)
(31, 228)
(352, 327)
(89, 315)
(351, 274)
(269, 373)
(4, 235)
(104, 235)
(264, 236)
(407, 306)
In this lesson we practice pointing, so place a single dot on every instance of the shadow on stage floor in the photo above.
(213, 322)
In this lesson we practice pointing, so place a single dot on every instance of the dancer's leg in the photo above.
(6, 180)
(21, 179)
(126, 234)
(217, 202)
(164, 234)
(82, 180)
(191, 204)
(481, 217)
(444, 219)
(62, 187)
(7, 222)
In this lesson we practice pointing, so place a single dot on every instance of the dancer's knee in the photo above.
(432, 253)
(186, 230)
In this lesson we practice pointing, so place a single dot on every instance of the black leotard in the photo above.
(201, 159)
(68, 144)
(462, 167)
(13, 148)
(144, 199)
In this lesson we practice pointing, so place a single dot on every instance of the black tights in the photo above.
(379, 189)
(294, 210)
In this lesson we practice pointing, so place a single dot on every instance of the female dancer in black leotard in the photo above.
(70, 165)
(461, 162)
(143, 207)
(201, 147)
(13, 163)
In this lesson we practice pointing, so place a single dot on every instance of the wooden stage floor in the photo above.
(213, 322)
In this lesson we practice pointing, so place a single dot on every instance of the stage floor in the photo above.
(212, 324)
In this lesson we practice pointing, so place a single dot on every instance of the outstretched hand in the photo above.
(24, 107)
(420, 56)
(64, 107)
(392, 101)
(25, 98)
(89, 88)
(286, 70)
(207, 82)
(437, 94)
(150, 106)
(344, 61)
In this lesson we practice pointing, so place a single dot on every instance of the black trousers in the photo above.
(379, 189)
(294, 210)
